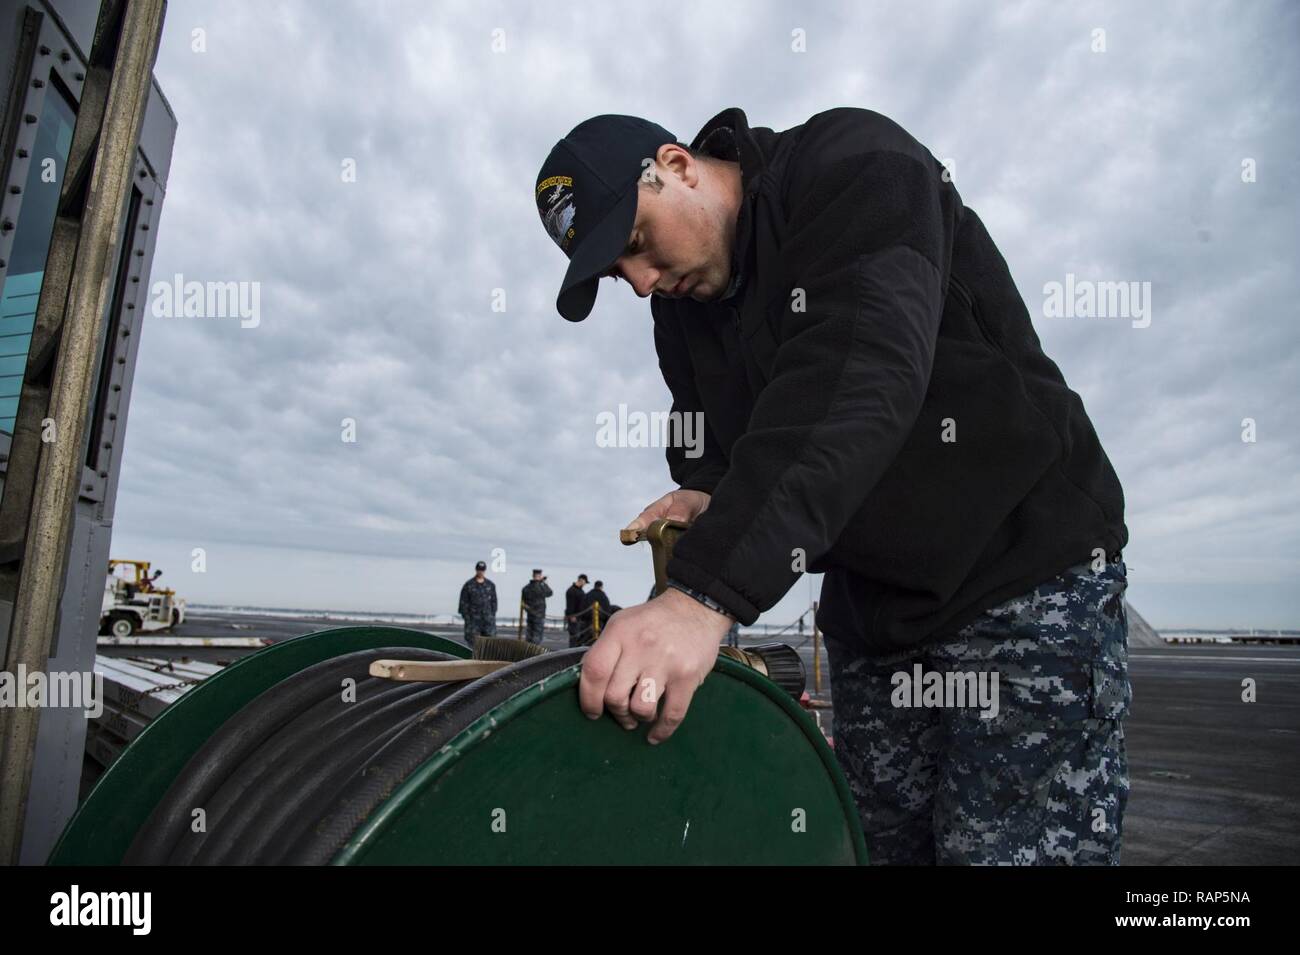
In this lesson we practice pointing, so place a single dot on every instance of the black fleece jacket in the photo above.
(877, 405)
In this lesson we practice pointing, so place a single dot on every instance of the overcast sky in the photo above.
(476, 429)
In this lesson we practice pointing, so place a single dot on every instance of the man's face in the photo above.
(681, 241)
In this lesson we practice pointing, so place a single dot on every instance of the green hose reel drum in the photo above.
(267, 763)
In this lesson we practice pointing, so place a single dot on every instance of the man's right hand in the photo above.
(675, 506)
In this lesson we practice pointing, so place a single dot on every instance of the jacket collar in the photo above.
(728, 135)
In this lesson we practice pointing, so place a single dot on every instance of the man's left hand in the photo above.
(659, 650)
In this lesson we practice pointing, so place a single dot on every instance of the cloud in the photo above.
(476, 428)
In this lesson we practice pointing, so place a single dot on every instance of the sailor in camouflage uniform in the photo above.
(1045, 780)
(478, 605)
(534, 597)
(832, 434)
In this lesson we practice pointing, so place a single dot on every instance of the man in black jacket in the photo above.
(533, 597)
(573, 606)
(587, 620)
(877, 407)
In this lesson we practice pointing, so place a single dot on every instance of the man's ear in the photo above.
(677, 161)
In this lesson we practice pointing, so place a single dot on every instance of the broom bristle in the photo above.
(505, 649)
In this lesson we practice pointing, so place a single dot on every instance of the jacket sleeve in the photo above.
(702, 472)
(464, 599)
(867, 253)
(493, 591)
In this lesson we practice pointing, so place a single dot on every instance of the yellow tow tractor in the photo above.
(134, 603)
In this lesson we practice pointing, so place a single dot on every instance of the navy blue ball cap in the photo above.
(587, 196)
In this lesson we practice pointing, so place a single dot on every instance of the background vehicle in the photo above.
(133, 603)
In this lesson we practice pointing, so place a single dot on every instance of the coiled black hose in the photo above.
(240, 737)
(312, 754)
(423, 736)
(291, 777)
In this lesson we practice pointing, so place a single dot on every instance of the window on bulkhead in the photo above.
(22, 281)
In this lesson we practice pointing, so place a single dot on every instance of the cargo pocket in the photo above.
(1112, 694)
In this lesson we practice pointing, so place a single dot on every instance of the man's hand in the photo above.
(662, 649)
(676, 506)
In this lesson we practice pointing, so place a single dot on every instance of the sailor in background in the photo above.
(586, 619)
(573, 606)
(478, 605)
(534, 597)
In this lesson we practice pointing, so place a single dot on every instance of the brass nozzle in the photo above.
(662, 535)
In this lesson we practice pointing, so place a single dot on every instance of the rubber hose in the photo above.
(270, 790)
(330, 780)
(268, 771)
(239, 736)
(418, 740)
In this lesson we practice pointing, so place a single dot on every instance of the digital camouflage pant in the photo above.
(476, 626)
(535, 623)
(1043, 782)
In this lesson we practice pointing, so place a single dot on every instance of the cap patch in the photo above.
(555, 205)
